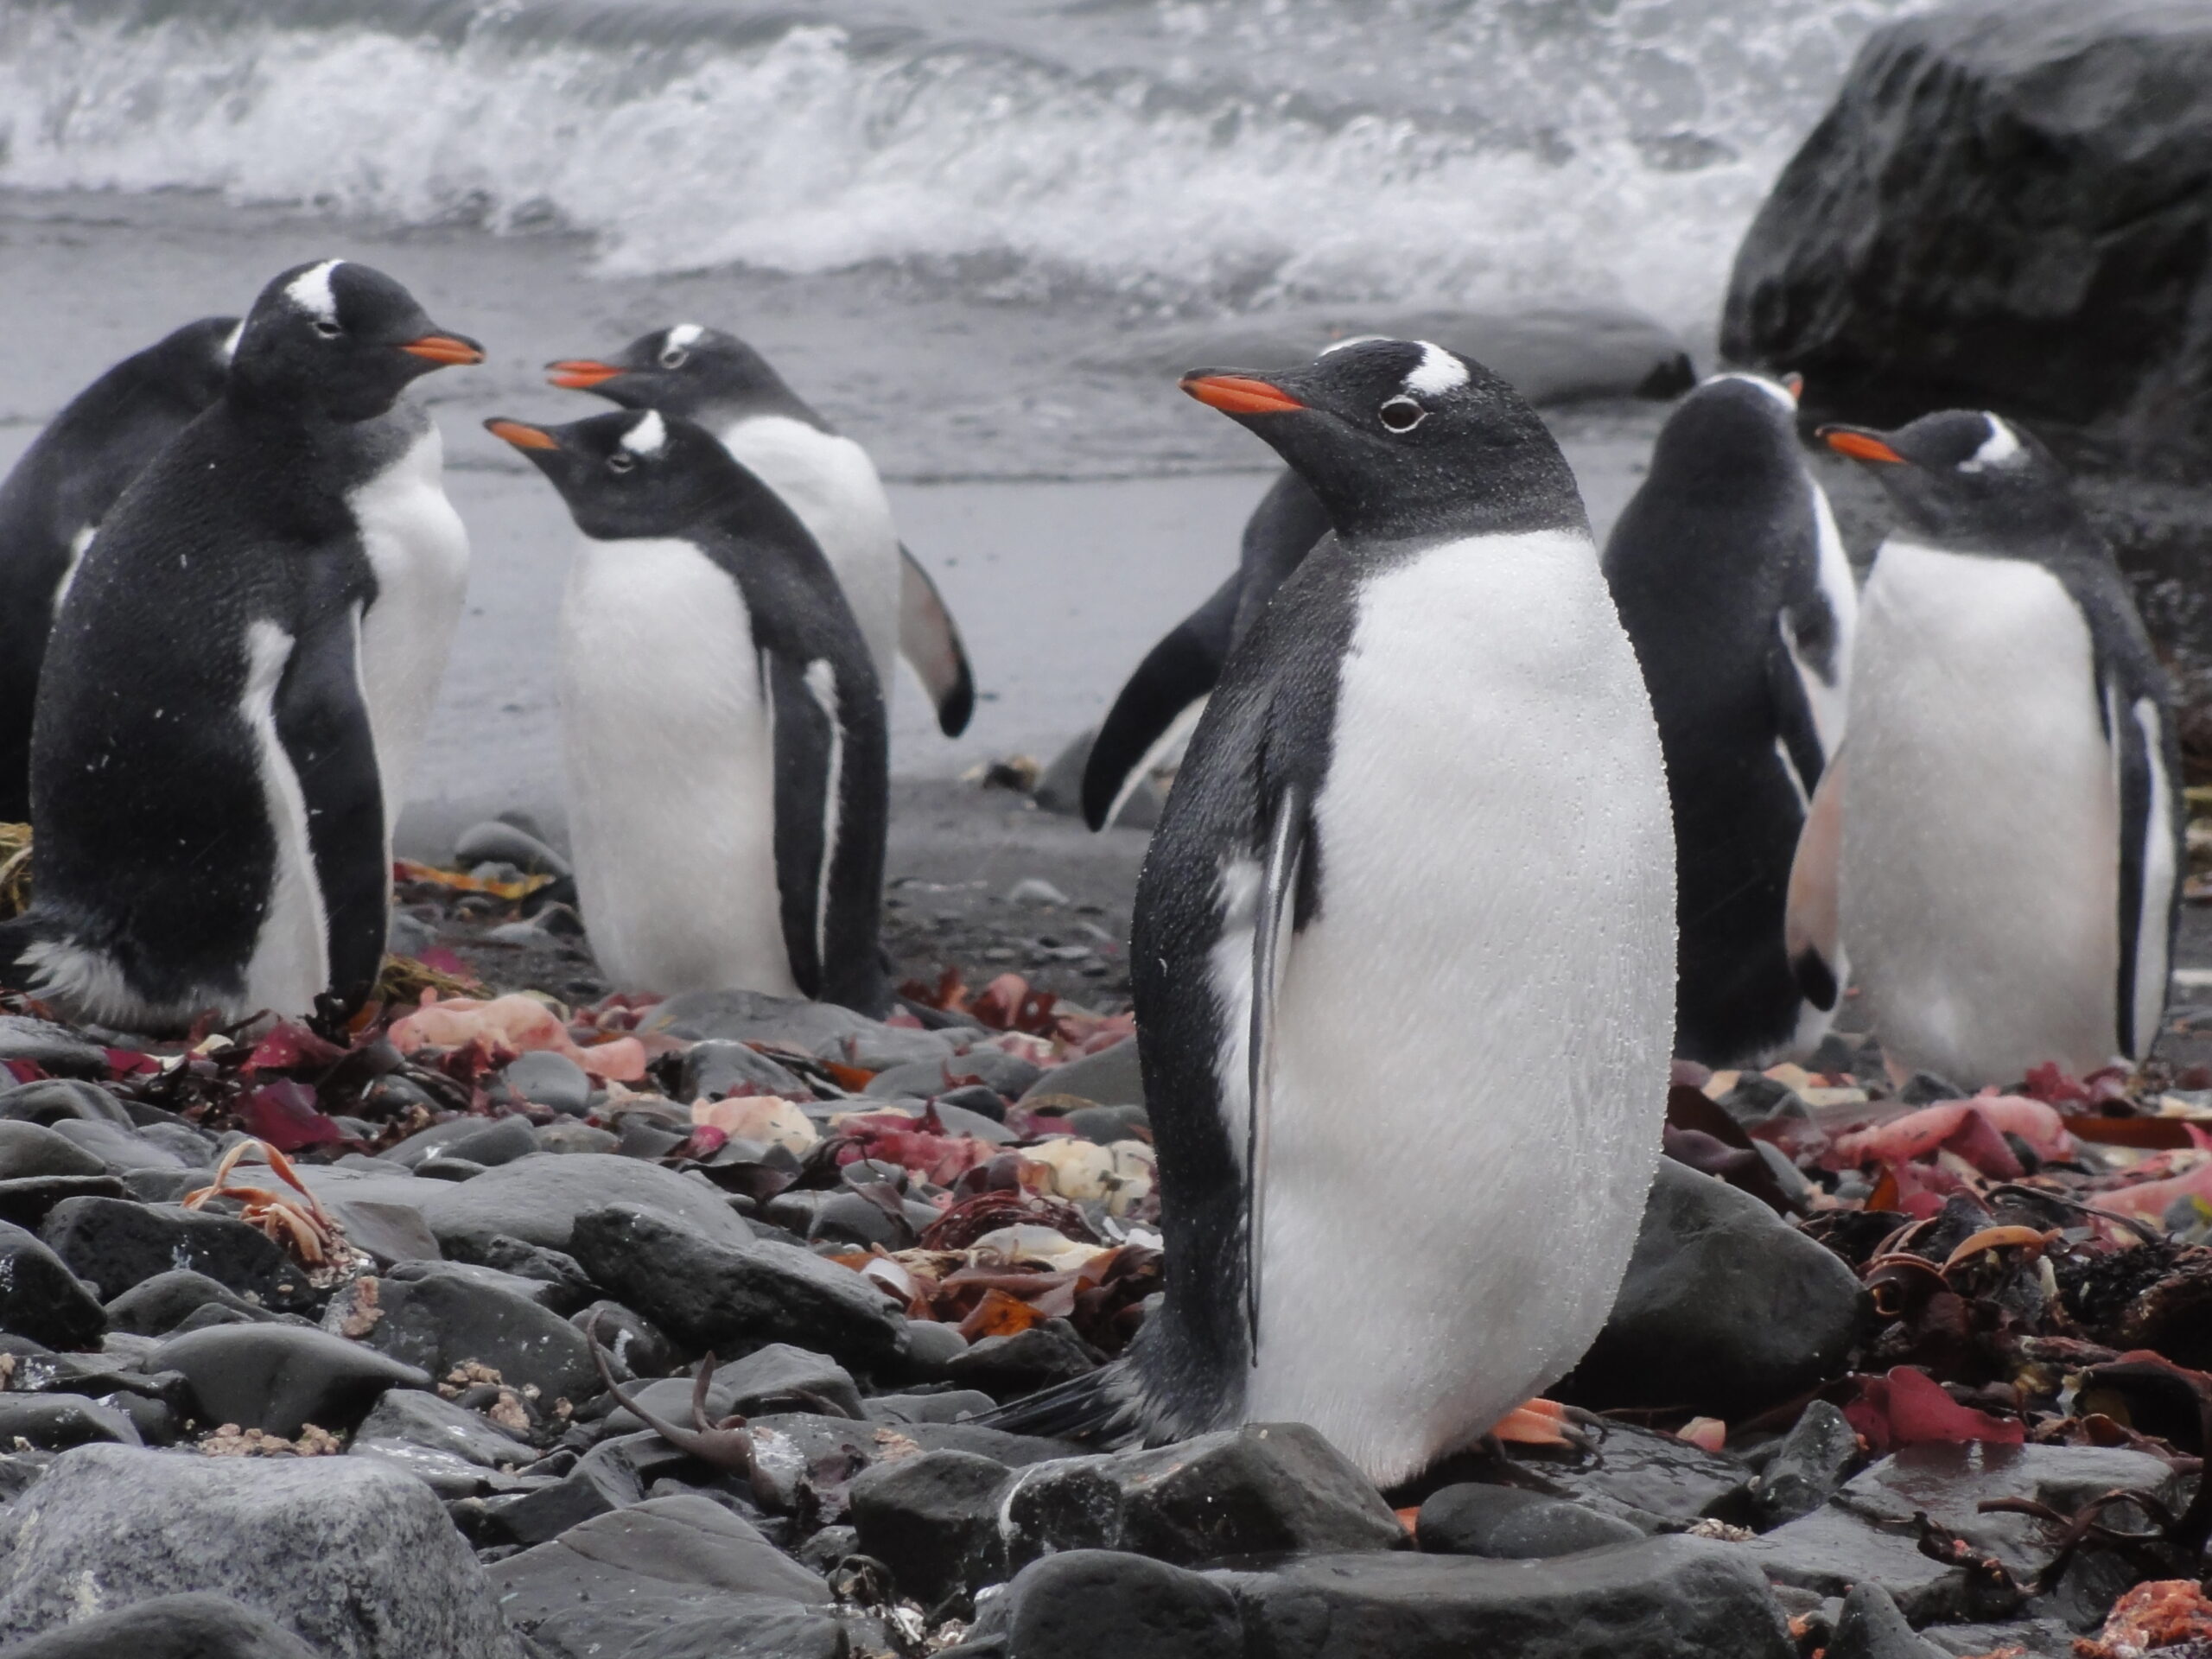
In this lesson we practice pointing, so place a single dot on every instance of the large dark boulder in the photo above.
(2009, 206)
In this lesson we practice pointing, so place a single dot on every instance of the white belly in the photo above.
(419, 551)
(670, 773)
(1978, 885)
(291, 955)
(1472, 1058)
(830, 482)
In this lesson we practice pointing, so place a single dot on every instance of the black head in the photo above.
(342, 339)
(195, 360)
(1732, 424)
(1964, 478)
(636, 473)
(1403, 438)
(686, 369)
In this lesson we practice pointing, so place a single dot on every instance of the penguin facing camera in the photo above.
(205, 774)
(2007, 876)
(828, 480)
(1418, 859)
(1732, 581)
(723, 729)
(60, 490)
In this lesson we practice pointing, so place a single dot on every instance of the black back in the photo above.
(685, 486)
(65, 484)
(156, 848)
(1715, 555)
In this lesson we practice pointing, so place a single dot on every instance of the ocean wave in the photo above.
(1233, 156)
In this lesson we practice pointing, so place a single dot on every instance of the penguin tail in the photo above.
(1098, 1409)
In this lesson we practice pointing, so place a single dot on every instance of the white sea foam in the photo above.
(1239, 153)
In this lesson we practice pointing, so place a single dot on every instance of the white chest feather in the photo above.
(1978, 884)
(670, 764)
(419, 551)
(292, 957)
(1473, 1034)
(830, 483)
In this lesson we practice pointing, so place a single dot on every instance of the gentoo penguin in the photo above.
(824, 477)
(2010, 791)
(1162, 701)
(204, 766)
(60, 489)
(1404, 944)
(1732, 583)
(722, 727)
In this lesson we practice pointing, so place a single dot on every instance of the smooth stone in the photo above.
(710, 1293)
(820, 1029)
(54, 1423)
(415, 1417)
(850, 1218)
(557, 1281)
(443, 1165)
(635, 1346)
(1007, 1368)
(435, 1316)
(501, 1140)
(708, 1627)
(933, 1519)
(960, 1120)
(1807, 1468)
(792, 1449)
(123, 1150)
(28, 1148)
(567, 1136)
(549, 1079)
(1870, 1627)
(28, 1201)
(56, 1100)
(1670, 1598)
(279, 1378)
(1653, 1481)
(494, 841)
(113, 1244)
(953, 1406)
(1508, 1524)
(1096, 1604)
(194, 1625)
(1104, 1125)
(41, 1298)
(931, 1347)
(421, 1144)
(680, 1548)
(540, 1198)
(997, 1070)
(356, 1560)
(1726, 1308)
(391, 1233)
(777, 1378)
(1109, 1077)
(56, 1049)
(711, 1070)
(157, 1305)
(196, 1148)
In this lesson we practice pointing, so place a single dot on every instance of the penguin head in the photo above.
(341, 337)
(1400, 438)
(1731, 425)
(194, 361)
(686, 370)
(634, 473)
(1962, 477)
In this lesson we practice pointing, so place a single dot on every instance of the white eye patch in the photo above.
(310, 291)
(684, 336)
(649, 436)
(2000, 446)
(1437, 372)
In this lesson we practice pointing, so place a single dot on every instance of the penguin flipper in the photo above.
(929, 639)
(1809, 928)
(1151, 711)
(1272, 914)
(808, 742)
(2146, 765)
(322, 721)
(1797, 737)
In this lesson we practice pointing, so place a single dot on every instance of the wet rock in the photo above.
(280, 1377)
(1104, 1125)
(635, 1345)
(802, 1458)
(195, 1626)
(358, 1562)
(390, 1232)
(1003, 1073)
(1508, 1524)
(549, 1079)
(1868, 1533)
(498, 1140)
(933, 1519)
(28, 1202)
(1655, 1599)
(779, 1377)
(434, 1316)
(719, 1627)
(54, 1423)
(850, 1218)
(565, 1286)
(41, 1298)
(713, 1295)
(122, 1149)
(1093, 1603)
(1651, 1480)
(953, 1406)
(113, 1244)
(664, 1548)
(1109, 1077)
(538, 1199)
(1870, 1627)
(568, 1136)
(413, 1417)
(54, 1049)
(1726, 1308)
(930, 1348)
(1007, 1368)
(27, 1149)
(159, 1305)
(820, 1029)
(712, 1070)
(1806, 1468)
(56, 1100)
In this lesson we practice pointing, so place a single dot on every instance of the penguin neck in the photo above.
(1517, 492)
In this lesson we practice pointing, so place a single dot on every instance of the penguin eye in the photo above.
(620, 462)
(1402, 414)
(326, 329)
(674, 358)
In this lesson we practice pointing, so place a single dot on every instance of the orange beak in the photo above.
(444, 349)
(1235, 394)
(1860, 446)
(580, 373)
(523, 436)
